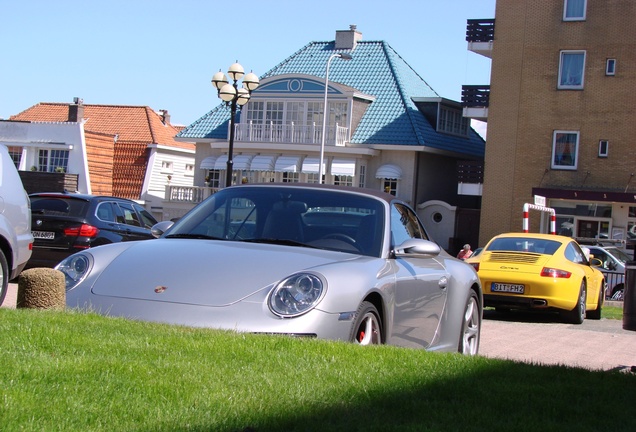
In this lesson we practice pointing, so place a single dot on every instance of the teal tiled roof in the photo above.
(376, 69)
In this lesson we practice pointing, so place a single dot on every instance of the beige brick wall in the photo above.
(526, 107)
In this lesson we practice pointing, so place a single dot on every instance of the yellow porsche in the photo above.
(540, 271)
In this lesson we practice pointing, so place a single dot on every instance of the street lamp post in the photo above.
(235, 98)
(325, 114)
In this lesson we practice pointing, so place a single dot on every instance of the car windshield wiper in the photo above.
(194, 236)
(285, 242)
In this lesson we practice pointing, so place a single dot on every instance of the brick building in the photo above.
(560, 115)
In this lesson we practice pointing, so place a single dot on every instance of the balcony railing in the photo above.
(470, 177)
(290, 133)
(470, 172)
(189, 194)
(480, 30)
(475, 96)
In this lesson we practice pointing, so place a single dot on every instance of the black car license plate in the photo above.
(45, 235)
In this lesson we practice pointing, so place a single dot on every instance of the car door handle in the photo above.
(442, 282)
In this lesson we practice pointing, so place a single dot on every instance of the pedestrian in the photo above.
(465, 252)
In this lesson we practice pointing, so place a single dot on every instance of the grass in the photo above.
(612, 312)
(71, 371)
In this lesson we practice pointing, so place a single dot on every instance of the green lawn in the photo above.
(69, 371)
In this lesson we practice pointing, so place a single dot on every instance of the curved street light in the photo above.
(343, 56)
(234, 97)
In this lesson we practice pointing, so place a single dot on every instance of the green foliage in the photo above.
(74, 371)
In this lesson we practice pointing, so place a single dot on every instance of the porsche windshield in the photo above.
(324, 219)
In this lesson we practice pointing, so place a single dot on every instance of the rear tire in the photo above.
(577, 315)
(367, 327)
(4, 277)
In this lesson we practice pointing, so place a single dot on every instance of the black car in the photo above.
(65, 223)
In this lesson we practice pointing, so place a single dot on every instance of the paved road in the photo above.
(539, 338)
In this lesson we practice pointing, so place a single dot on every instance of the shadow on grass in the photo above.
(516, 398)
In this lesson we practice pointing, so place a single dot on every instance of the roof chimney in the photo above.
(165, 117)
(76, 110)
(347, 39)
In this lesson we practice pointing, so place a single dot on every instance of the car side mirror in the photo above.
(612, 265)
(417, 248)
(596, 262)
(159, 228)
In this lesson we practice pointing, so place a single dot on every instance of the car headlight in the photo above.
(296, 295)
(75, 269)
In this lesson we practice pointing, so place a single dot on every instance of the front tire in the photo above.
(471, 326)
(577, 315)
(367, 327)
(4, 277)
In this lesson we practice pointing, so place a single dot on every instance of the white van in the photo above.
(16, 241)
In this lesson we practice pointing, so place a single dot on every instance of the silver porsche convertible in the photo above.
(305, 260)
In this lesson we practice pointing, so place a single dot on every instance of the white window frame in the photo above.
(555, 154)
(603, 148)
(390, 186)
(452, 121)
(53, 160)
(582, 17)
(610, 67)
(189, 170)
(167, 167)
(563, 65)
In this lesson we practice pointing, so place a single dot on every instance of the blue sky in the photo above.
(163, 53)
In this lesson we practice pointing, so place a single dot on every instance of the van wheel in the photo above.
(4, 277)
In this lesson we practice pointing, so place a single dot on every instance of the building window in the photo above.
(574, 10)
(390, 186)
(16, 155)
(452, 121)
(565, 149)
(341, 180)
(610, 67)
(291, 177)
(166, 167)
(571, 70)
(312, 178)
(53, 160)
(362, 176)
(189, 170)
(213, 179)
(603, 148)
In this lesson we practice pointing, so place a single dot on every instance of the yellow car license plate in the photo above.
(508, 288)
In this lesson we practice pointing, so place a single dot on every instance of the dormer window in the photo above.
(445, 115)
(452, 121)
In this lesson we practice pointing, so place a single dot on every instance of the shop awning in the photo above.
(263, 163)
(287, 164)
(343, 167)
(310, 165)
(208, 162)
(221, 163)
(241, 162)
(389, 171)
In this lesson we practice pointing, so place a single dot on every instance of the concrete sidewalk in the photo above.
(540, 339)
